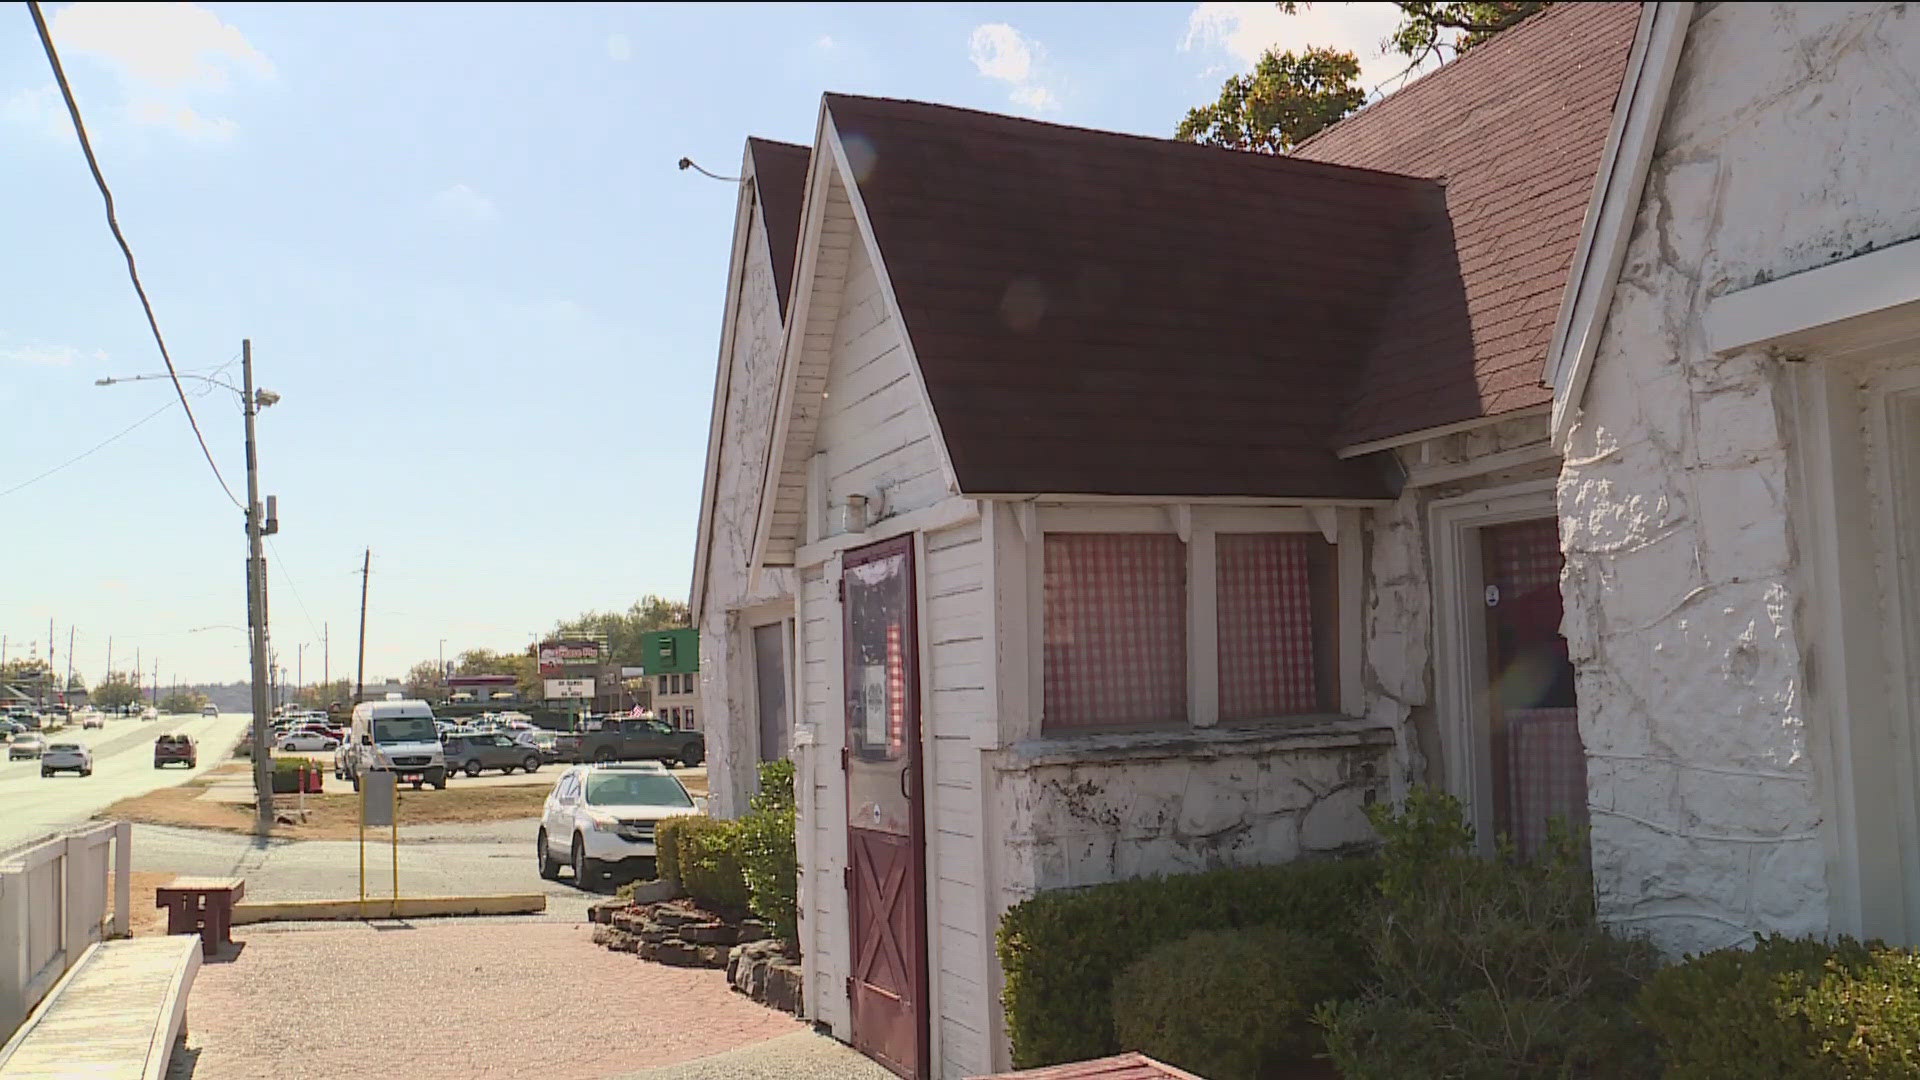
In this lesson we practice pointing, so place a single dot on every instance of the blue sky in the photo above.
(458, 241)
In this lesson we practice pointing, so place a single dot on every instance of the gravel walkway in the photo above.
(472, 998)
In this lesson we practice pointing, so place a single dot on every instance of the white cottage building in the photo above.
(1148, 507)
(1736, 397)
(746, 620)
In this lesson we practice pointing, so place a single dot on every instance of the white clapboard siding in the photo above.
(827, 933)
(953, 618)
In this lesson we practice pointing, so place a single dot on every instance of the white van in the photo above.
(397, 737)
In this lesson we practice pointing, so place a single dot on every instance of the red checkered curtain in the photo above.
(1265, 612)
(1525, 556)
(1546, 774)
(1115, 616)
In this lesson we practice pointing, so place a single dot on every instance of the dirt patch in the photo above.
(144, 918)
(328, 817)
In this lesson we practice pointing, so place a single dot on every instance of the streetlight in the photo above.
(260, 523)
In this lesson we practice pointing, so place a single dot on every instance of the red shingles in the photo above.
(1515, 128)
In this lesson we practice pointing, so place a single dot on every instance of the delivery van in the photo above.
(397, 737)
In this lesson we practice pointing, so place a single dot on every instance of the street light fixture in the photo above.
(261, 523)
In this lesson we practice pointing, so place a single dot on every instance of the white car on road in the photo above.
(600, 820)
(66, 757)
(307, 740)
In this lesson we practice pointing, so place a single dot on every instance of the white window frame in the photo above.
(1460, 636)
(1196, 526)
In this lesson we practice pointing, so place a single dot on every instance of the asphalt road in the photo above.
(32, 806)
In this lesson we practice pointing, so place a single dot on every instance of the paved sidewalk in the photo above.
(470, 998)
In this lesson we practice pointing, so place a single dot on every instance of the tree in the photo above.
(522, 666)
(423, 680)
(76, 683)
(1287, 98)
(624, 630)
(116, 691)
(183, 701)
(1284, 100)
(320, 695)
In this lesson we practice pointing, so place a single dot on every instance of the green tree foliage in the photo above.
(1289, 97)
(76, 683)
(118, 690)
(320, 695)
(624, 629)
(183, 701)
(423, 680)
(521, 665)
(1284, 100)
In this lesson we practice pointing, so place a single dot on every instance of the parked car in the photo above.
(545, 743)
(10, 728)
(209, 709)
(343, 761)
(66, 757)
(490, 750)
(27, 745)
(634, 740)
(600, 819)
(307, 739)
(169, 749)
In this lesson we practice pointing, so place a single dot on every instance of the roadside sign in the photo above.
(377, 787)
(569, 688)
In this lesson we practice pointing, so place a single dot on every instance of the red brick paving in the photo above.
(456, 999)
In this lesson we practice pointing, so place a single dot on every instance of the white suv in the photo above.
(66, 757)
(600, 820)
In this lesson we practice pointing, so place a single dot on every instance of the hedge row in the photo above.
(749, 863)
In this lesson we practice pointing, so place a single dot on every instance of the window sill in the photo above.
(1238, 740)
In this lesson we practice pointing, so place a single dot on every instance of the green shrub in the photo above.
(1230, 1004)
(707, 859)
(776, 788)
(292, 766)
(666, 847)
(768, 859)
(1790, 1008)
(1062, 950)
(1486, 969)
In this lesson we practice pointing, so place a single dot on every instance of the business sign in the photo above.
(569, 688)
(558, 656)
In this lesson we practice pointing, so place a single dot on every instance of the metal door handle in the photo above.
(904, 793)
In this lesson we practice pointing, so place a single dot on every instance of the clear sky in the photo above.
(490, 303)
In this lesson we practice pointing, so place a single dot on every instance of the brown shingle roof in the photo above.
(1515, 129)
(1107, 314)
(780, 175)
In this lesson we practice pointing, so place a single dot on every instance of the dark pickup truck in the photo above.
(633, 740)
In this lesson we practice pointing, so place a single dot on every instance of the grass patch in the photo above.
(329, 817)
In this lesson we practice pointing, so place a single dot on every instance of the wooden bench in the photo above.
(201, 905)
(115, 1015)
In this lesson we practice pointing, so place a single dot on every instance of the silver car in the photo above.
(66, 757)
(26, 745)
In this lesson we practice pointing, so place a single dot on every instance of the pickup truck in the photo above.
(633, 740)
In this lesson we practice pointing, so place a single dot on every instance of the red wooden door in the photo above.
(886, 843)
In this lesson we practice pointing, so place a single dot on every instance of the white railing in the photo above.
(53, 904)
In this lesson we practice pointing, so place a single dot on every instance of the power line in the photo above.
(84, 454)
(113, 223)
(288, 577)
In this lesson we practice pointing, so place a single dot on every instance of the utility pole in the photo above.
(46, 684)
(326, 659)
(66, 688)
(256, 605)
(109, 656)
(360, 675)
(300, 668)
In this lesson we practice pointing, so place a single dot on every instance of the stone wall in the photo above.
(1685, 614)
(1103, 808)
(727, 711)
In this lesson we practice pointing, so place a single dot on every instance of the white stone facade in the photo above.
(1784, 147)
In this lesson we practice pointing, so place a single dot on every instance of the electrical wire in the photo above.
(84, 454)
(288, 578)
(113, 224)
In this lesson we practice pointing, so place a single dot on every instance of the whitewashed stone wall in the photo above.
(1783, 149)
(726, 646)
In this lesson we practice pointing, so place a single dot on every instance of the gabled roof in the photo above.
(780, 181)
(1515, 128)
(773, 191)
(1108, 314)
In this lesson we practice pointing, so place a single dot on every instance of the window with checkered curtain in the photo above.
(1268, 665)
(1114, 609)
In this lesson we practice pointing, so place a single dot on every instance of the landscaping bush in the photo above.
(768, 859)
(1487, 969)
(1790, 1008)
(1230, 1004)
(666, 848)
(286, 773)
(706, 860)
(1062, 950)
